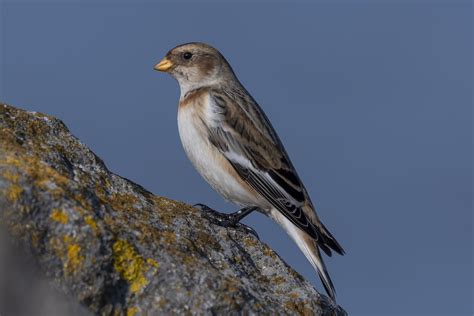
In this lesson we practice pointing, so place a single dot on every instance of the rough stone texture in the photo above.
(25, 291)
(118, 249)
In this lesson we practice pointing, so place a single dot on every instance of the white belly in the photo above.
(208, 161)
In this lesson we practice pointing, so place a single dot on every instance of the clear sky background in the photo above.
(373, 101)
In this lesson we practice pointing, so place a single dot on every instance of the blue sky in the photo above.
(373, 101)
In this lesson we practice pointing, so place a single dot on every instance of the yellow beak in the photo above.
(164, 65)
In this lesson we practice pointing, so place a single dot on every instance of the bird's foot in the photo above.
(227, 220)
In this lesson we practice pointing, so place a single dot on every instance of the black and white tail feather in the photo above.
(310, 248)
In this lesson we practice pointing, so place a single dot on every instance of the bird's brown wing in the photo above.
(244, 135)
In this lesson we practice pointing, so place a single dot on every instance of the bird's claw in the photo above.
(224, 220)
(248, 230)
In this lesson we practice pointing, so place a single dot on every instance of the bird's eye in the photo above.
(187, 55)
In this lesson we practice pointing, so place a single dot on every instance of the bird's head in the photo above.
(195, 65)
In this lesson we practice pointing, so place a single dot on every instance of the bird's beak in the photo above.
(164, 65)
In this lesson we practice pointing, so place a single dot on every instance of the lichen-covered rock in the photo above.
(118, 249)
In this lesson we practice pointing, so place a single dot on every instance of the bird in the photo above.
(232, 144)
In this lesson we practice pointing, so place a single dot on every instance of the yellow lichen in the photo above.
(69, 252)
(59, 216)
(152, 262)
(35, 239)
(124, 202)
(250, 242)
(132, 311)
(298, 308)
(169, 209)
(38, 127)
(267, 251)
(80, 198)
(40, 173)
(278, 280)
(13, 192)
(238, 259)
(229, 287)
(168, 237)
(293, 295)
(74, 259)
(90, 221)
(207, 240)
(50, 186)
(13, 177)
(131, 266)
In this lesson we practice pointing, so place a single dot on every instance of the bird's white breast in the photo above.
(205, 157)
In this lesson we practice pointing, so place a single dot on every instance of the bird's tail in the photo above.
(326, 240)
(310, 249)
(312, 253)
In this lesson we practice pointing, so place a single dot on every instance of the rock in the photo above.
(22, 281)
(116, 248)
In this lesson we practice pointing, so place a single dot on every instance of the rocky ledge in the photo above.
(116, 248)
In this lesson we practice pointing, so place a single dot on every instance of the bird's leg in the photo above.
(228, 220)
(243, 212)
(224, 219)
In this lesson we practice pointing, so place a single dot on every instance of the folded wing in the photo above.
(246, 138)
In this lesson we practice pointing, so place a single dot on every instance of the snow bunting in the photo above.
(234, 147)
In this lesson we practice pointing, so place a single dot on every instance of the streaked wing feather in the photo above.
(248, 141)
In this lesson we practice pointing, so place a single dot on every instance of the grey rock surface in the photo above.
(25, 291)
(115, 248)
